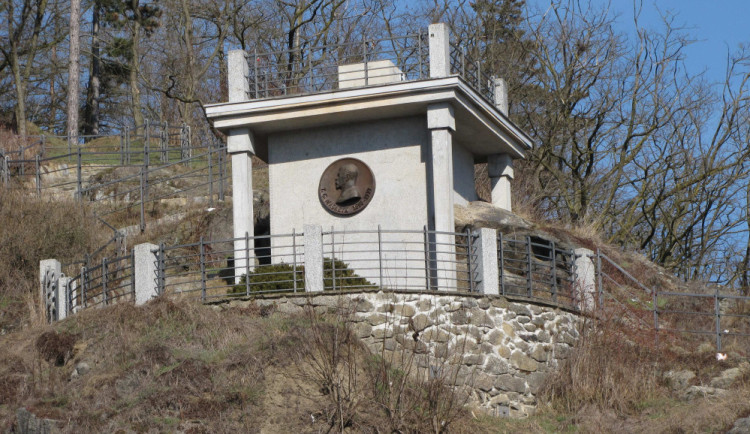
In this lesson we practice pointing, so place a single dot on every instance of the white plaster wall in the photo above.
(464, 190)
(393, 149)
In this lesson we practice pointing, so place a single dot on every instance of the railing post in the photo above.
(203, 269)
(600, 281)
(364, 59)
(313, 241)
(6, 171)
(145, 272)
(553, 258)
(38, 176)
(84, 286)
(79, 175)
(470, 275)
(237, 76)
(143, 200)
(294, 259)
(333, 261)
(501, 262)
(717, 313)
(247, 263)
(211, 178)
(255, 69)
(427, 272)
(105, 295)
(529, 268)
(161, 271)
(488, 272)
(222, 173)
(122, 150)
(380, 256)
(127, 144)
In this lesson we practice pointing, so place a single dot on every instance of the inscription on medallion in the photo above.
(346, 187)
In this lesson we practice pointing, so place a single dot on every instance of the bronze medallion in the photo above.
(346, 187)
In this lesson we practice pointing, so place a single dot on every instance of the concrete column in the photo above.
(50, 271)
(584, 284)
(63, 296)
(441, 122)
(500, 169)
(440, 58)
(145, 277)
(501, 96)
(240, 145)
(313, 238)
(237, 76)
(488, 281)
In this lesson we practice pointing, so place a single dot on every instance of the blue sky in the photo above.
(717, 26)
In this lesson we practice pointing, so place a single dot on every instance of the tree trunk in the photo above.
(91, 114)
(135, 92)
(74, 71)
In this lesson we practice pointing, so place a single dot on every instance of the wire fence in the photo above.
(336, 66)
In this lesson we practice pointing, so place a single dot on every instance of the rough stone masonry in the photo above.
(501, 350)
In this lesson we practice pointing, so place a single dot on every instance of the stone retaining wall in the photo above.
(502, 350)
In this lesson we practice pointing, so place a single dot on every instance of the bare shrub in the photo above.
(610, 368)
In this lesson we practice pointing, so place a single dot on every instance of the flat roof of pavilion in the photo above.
(480, 126)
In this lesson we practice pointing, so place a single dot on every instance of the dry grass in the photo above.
(180, 366)
(31, 230)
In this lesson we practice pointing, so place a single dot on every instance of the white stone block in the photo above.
(378, 72)
(313, 235)
(145, 272)
(501, 96)
(63, 296)
(440, 63)
(584, 285)
(53, 269)
(488, 281)
(237, 76)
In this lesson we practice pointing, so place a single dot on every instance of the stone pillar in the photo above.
(313, 238)
(145, 272)
(237, 76)
(441, 123)
(240, 146)
(63, 296)
(440, 59)
(501, 96)
(584, 284)
(500, 169)
(50, 271)
(488, 280)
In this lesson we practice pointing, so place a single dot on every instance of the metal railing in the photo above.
(215, 269)
(463, 65)
(110, 281)
(536, 269)
(399, 260)
(335, 66)
(719, 316)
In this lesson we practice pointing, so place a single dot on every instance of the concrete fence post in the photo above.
(145, 271)
(238, 71)
(313, 236)
(49, 275)
(488, 280)
(440, 60)
(63, 296)
(501, 95)
(584, 284)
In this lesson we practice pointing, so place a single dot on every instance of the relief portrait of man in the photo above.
(346, 182)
